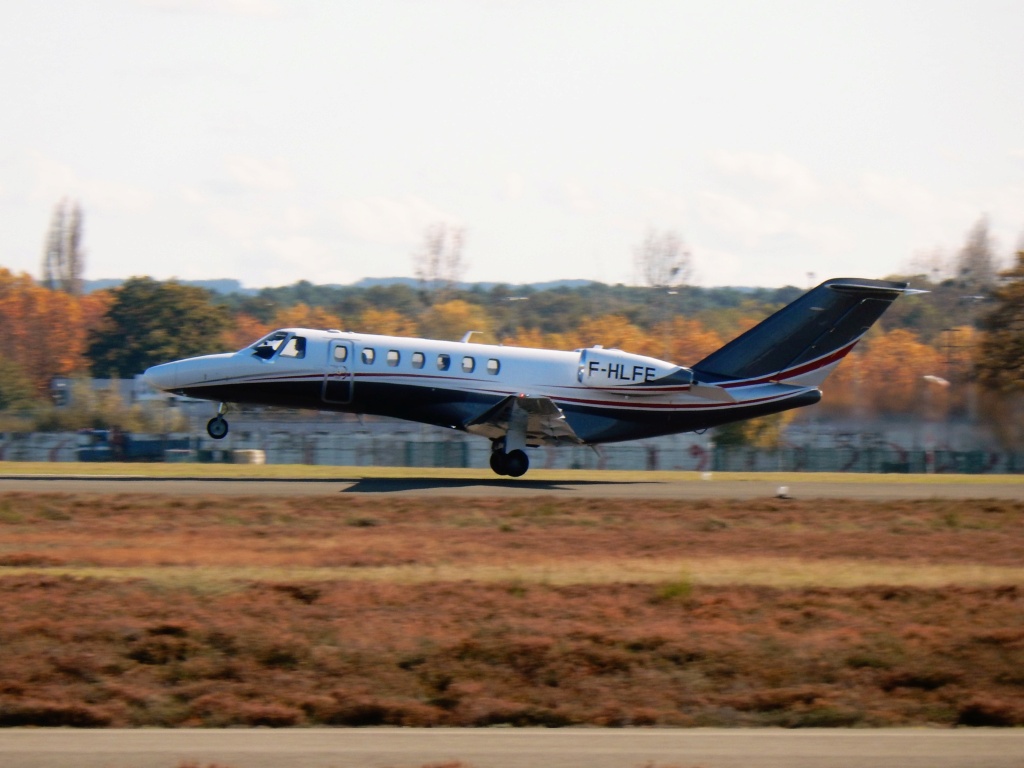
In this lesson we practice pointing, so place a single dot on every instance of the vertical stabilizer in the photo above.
(804, 340)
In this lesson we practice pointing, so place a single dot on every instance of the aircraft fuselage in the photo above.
(606, 395)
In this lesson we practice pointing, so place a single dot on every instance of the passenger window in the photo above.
(393, 357)
(468, 364)
(368, 355)
(296, 347)
(418, 359)
(340, 353)
(443, 362)
(493, 366)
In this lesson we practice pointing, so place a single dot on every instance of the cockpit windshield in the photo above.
(267, 347)
(280, 344)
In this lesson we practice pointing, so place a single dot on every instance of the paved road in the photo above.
(426, 486)
(513, 748)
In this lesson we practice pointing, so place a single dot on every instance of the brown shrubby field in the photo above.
(136, 610)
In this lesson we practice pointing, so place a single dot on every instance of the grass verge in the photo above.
(778, 573)
(341, 474)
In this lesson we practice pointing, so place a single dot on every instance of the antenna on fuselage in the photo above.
(465, 339)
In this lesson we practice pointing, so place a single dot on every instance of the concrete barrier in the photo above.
(248, 456)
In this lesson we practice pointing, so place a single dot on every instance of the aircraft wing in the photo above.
(545, 422)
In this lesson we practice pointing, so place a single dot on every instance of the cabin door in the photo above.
(338, 379)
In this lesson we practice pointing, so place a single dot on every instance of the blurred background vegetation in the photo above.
(955, 350)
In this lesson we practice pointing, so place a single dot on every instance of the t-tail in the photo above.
(802, 342)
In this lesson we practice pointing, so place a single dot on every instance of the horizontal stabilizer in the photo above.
(711, 392)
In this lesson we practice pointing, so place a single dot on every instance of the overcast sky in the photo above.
(277, 140)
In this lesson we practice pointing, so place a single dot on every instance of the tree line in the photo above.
(947, 335)
(930, 356)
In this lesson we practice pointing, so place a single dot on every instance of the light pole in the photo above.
(668, 322)
(932, 380)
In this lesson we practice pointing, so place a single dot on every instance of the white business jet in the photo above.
(521, 398)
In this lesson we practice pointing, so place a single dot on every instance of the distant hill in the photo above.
(372, 282)
(224, 285)
(228, 286)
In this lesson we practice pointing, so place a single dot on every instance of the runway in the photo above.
(886, 488)
(512, 748)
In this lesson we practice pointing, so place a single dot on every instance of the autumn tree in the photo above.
(302, 315)
(151, 322)
(891, 373)
(16, 389)
(245, 330)
(610, 331)
(63, 257)
(685, 340)
(453, 319)
(387, 322)
(45, 331)
(1000, 361)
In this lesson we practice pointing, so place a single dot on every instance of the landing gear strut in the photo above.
(511, 464)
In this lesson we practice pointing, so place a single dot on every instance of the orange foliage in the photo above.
(304, 316)
(45, 332)
(684, 340)
(611, 331)
(452, 319)
(94, 308)
(387, 322)
(534, 338)
(245, 330)
(525, 337)
(887, 376)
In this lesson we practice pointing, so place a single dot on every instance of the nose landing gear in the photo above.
(217, 427)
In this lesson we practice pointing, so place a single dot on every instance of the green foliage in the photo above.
(104, 409)
(150, 322)
(16, 391)
(764, 432)
(948, 304)
(555, 310)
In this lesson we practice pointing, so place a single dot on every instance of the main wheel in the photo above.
(516, 463)
(499, 461)
(217, 427)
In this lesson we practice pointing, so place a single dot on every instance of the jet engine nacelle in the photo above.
(603, 368)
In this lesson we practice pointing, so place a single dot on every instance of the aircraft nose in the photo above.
(162, 377)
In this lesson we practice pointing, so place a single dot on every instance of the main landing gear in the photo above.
(511, 464)
(217, 427)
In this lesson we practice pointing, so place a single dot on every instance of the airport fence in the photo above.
(683, 452)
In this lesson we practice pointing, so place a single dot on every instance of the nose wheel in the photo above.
(217, 427)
